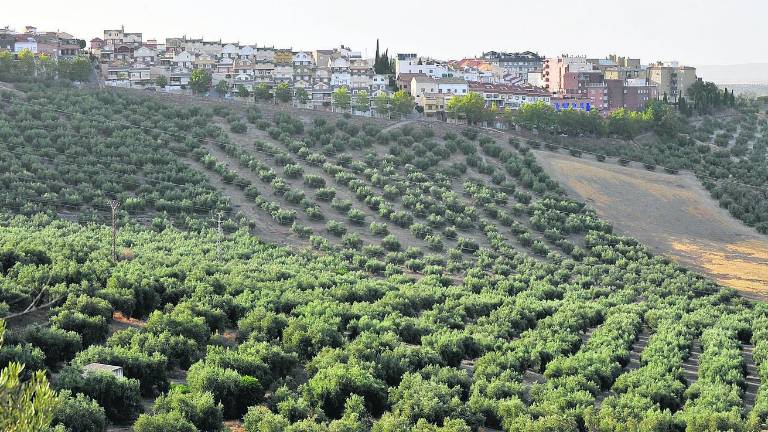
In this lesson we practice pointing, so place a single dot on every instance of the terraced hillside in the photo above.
(364, 277)
(673, 214)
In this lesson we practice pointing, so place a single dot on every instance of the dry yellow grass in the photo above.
(672, 214)
(743, 266)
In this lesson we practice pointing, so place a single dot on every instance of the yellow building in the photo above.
(671, 80)
(283, 57)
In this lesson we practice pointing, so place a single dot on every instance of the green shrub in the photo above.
(234, 391)
(391, 243)
(198, 408)
(378, 228)
(79, 413)
(165, 422)
(261, 419)
(120, 397)
(57, 344)
(336, 228)
(325, 194)
(356, 216)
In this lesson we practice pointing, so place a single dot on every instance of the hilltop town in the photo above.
(310, 77)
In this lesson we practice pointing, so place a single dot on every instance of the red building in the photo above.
(96, 44)
(631, 94)
(576, 83)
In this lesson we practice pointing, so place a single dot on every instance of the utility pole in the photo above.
(114, 204)
(219, 234)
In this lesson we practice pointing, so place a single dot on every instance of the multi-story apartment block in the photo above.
(283, 73)
(264, 72)
(341, 74)
(303, 66)
(671, 79)
(635, 94)
(518, 64)
(361, 75)
(624, 73)
(113, 37)
(576, 82)
(611, 94)
(139, 74)
(554, 70)
(379, 83)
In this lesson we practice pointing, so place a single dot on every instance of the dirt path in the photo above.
(691, 364)
(634, 362)
(752, 378)
(397, 125)
(246, 142)
(264, 227)
(672, 214)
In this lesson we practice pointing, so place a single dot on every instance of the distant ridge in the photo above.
(748, 73)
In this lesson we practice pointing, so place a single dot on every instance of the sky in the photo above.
(695, 32)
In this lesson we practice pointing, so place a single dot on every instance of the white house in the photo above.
(283, 73)
(418, 65)
(263, 72)
(118, 72)
(265, 54)
(509, 96)
(361, 75)
(244, 79)
(139, 74)
(422, 84)
(247, 52)
(303, 66)
(179, 77)
(379, 82)
(226, 65)
(29, 44)
(244, 67)
(457, 86)
(145, 55)
(204, 61)
(92, 368)
(321, 94)
(230, 51)
(184, 59)
(302, 59)
(340, 72)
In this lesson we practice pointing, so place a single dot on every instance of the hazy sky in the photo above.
(692, 31)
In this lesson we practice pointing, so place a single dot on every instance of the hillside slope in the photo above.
(673, 214)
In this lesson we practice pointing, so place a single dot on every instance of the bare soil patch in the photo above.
(672, 214)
